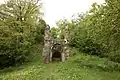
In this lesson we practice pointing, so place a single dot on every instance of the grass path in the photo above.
(50, 71)
(79, 67)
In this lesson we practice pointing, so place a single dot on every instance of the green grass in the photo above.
(79, 67)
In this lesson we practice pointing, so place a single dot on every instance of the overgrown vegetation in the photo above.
(97, 32)
(78, 67)
(21, 28)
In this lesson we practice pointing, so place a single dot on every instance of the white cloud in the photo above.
(57, 9)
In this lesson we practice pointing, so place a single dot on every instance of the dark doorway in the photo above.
(56, 52)
(56, 56)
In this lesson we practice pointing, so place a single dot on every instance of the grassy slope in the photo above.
(79, 67)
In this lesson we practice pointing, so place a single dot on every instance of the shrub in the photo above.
(89, 47)
(115, 56)
(11, 55)
(92, 48)
(74, 51)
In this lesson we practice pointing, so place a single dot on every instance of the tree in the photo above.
(54, 32)
(20, 24)
(97, 31)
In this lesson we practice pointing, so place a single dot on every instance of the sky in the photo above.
(1, 1)
(55, 10)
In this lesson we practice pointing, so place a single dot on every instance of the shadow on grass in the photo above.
(13, 68)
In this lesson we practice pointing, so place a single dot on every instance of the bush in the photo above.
(89, 47)
(11, 55)
(92, 48)
(115, 56)
(74, 51)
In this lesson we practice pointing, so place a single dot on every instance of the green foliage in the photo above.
(115, 56)
(74, 51)
(97, 31)
(54, 32)
(40, 27)
(20, 28)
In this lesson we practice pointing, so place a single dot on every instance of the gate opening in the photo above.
(56, 52)
(56, 56)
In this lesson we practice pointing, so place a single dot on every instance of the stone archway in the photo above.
(53, 48)
(56, 56)
(56, 51)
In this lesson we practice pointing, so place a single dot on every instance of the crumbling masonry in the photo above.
(54, 49)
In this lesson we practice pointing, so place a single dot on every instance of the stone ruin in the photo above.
(54, 49)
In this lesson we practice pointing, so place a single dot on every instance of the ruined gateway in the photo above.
(54, 49)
